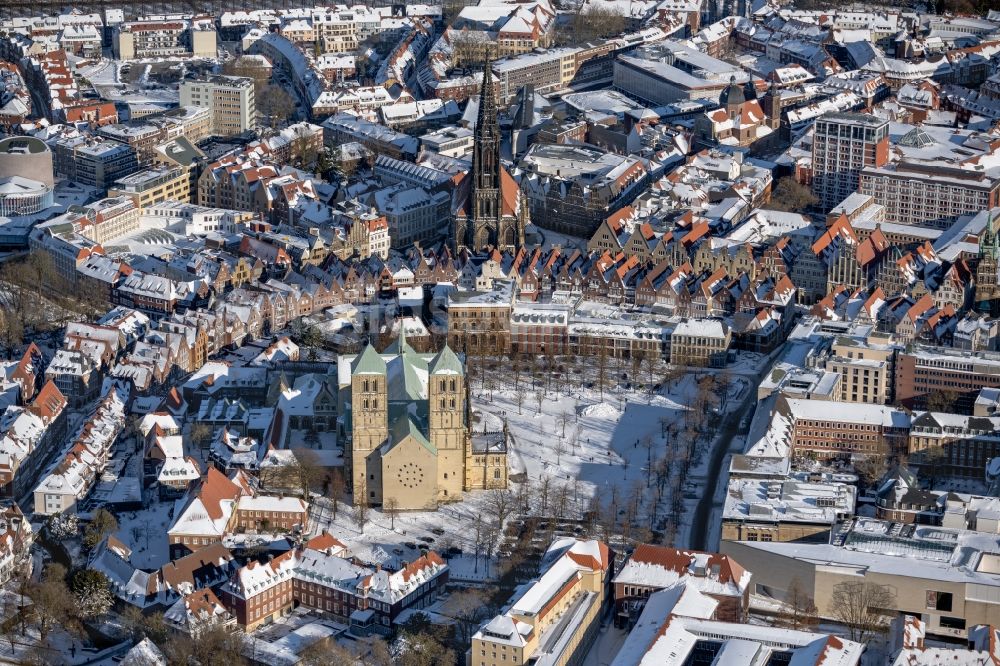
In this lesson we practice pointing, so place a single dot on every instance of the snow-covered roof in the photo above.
(661, 567)
(822, 410)
(676, 619)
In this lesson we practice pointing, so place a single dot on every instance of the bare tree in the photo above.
(361, 505)
(391, 508)
(648, 443)
(201, 434)
(602, 369)
(101, 525)
(800, 609)
(468, 47)
(564, 419)
(942, 400)
(522, 497)
(864, 608)
(594, 23)
(10, 623)
(336, 490)
(306, 470)
(789, 195)
(11, 329)
(560, 501)
(871, 469)
(216, 646)
(275, 105)
(544, 492)
(51, 599)
(248, 67)
(468, 608)
(324, 653)
(518, 399)
(560, 448)
(478, 527)
(500, 503)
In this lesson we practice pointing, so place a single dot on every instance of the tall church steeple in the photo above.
(486, 196)
(484, 222)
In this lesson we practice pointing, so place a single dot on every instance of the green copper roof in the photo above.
(446, 363)
(405, 426)
(368, 363)
(399, 345)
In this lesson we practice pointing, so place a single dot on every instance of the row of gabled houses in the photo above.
(910, 320)
(85, 457)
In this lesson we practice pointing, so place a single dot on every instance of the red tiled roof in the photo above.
(679, 561)
(49, 403)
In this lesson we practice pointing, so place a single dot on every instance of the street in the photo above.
(725, 442)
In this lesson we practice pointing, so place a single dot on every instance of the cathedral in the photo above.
(408, 429)
(490, 210)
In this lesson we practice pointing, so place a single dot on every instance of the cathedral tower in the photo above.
(491, 210)
(447, 428)
(369, 416)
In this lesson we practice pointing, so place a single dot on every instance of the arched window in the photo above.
(453, 385)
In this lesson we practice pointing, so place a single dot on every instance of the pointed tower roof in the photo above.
(487, 119)
(399, 345)
(368, 363)
(277, 388)
(446, 363)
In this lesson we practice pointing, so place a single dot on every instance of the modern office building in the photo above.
(843, 145)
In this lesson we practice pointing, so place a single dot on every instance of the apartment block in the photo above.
(933, 195)
(865, 368)
(164, 39)
(955, 444)
(230, 98)
(110, 218)
(479, 322)
(700, 343)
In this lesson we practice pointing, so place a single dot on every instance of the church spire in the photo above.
(489, 217)
(486, 159)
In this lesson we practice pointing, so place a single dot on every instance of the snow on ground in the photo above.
(609, 641)
(599, 447)
(381, 542)
(329, 452)
(102, 72)
(467, 568)
(145, 532)
(602, 452)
